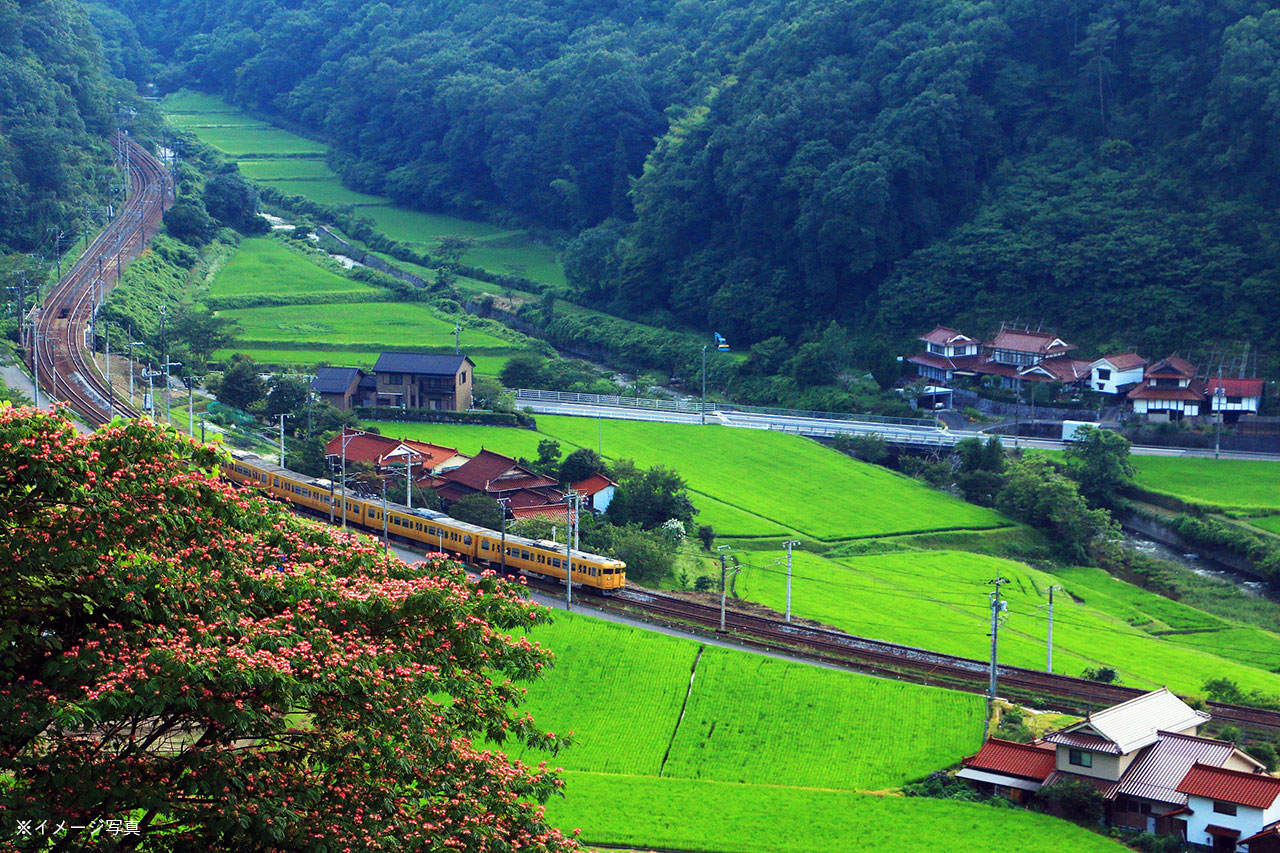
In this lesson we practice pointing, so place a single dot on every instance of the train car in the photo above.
(477, 545)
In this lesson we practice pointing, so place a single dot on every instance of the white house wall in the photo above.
(1247, 819)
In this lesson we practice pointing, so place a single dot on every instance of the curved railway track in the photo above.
(60, 323)
(1060, 692)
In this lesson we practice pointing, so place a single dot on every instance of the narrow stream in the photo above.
(1201, 566)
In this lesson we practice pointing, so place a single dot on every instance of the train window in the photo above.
(593, 572)
(418, 526)
(524, 555)
(466, 540)
(555, 561)
(484, 544)
(431, 531)
(608, 571)
(275, 482)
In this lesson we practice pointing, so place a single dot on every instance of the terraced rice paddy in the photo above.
(376, 324)
(1226, 483)
(824, 496)
(683, 814)
(486, 365)
(768, 755)
(265, 267)
(938, 600)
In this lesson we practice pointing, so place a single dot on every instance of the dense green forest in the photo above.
(57, 109)
(764, 166)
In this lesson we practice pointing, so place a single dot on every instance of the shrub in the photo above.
(1072, 799)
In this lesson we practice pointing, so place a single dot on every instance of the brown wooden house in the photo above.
(410, 380)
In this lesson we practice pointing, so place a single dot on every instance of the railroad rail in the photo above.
(55, 340)
(892, 660)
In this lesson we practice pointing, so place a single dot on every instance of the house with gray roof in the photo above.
(342, 387)
(414, 380)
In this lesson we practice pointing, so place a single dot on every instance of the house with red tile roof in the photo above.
(1116, 374)
(387, 454)
(500, 477)
(597, 492)
(1137, 755)
(947, 353)
(1015, 355)
(1226, 807)
(1232, 398)
(1169, 391)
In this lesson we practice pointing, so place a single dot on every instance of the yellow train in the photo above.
(479, 546)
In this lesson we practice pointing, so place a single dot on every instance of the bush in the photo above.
(706, 535)
(1072, 799)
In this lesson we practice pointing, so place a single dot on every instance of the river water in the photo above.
(1201, 566)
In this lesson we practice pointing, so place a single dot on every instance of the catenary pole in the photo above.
(723, 572)
(790, 544)
(997, 606)
(1049, 660)
(703, 408)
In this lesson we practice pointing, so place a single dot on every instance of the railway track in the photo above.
(876, 657)
(56, 342)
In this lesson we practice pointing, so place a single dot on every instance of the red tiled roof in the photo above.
(1146, 391)
(373, 448)
(551, 512)
(492, 472)
(1025, 340)
(1233, 786)
(943, 336)
(1026, 760)
(525, 498)
(960, 362)
(1172, 366)
(1235, 387)
(1124, 360)
(593, 484)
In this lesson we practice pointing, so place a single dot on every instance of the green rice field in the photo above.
(768, 756)
(262, 266)
(824, 496)
(723, 817)
(748, 718)
(384, 325)
(1225, 483)
(285, 168)
(326, 191)
(1270, 523)
(259, 140)
(938, 600)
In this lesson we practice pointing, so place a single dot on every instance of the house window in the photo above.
(937, 349)
(1224, 808)
(1103, 374)
(1235, 401)
(395, 379)
(462, 378)
(1080, 758)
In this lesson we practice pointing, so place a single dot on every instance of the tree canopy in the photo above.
(193, 659)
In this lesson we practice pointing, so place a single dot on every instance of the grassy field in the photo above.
(374, 324)
(824, 496)
(285, 168)
(326, 191)
(265, 267)
(938, 600)
(486, 365)
(724, 817)
(748, 718)
(1270, 523)
(261, 140)
(1226, 483)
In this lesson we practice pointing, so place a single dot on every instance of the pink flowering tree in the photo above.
(197, 664)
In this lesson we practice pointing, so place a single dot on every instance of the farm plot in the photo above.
(832, 730)
(748, 718)
(938, 600)
(486, 365)
(286, 168)
(413, 326)
(264, 267)
(1226, 483)
(684, 814)
(260, 140)
(1269, 523)
(326, 191)
(776, 480)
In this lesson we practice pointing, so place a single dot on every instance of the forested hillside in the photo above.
(57, 109)
(762, 166)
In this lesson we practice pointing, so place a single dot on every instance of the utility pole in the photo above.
(997, 607)
(385, 545)
(790, 543)
(702, 410)
(190, 382)
(132, 344)
(568, 550)
(457, 339)
(149, 402)
(344, 479)
(408, 481)
(111, 391)
(1049, 661)
(1221, 400)
(168, 398)
(282, 416)
(502, 505)
(721, 549)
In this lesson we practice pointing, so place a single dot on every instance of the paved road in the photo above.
(917, 436)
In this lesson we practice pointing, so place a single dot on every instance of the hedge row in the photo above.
(1262, 552)
(440, 416)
